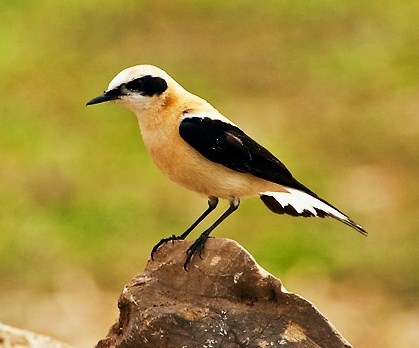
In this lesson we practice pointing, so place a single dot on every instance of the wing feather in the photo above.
(226, 144)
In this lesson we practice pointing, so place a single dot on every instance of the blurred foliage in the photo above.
(331, 87)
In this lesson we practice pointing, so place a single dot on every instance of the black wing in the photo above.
(226, 144)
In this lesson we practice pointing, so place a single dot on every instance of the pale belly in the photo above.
(184, 165)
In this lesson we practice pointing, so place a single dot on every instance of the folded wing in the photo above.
(226, 144)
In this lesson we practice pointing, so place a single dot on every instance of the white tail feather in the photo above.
(298, 203)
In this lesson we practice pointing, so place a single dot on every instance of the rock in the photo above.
(11, 337)
(224, 300)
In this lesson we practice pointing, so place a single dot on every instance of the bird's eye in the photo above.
(135, 85)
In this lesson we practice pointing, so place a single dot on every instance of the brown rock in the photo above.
(224, 300)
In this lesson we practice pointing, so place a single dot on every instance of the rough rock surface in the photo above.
(11, 337)
(224, 300)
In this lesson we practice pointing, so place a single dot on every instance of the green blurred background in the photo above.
(331, 87)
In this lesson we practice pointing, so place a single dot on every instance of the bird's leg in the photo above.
(198, 245)
(212, 204)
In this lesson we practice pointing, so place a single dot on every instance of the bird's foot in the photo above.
(196, 247)
(172, 238)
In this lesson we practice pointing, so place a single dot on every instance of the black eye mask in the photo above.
(147, 85)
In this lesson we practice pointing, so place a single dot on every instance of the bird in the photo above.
(196, 146)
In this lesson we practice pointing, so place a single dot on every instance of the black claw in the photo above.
(196, 247)
(163, 241)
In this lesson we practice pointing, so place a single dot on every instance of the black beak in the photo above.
(106, 96)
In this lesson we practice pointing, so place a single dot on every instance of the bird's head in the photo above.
(138, 88)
